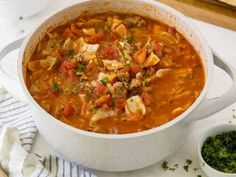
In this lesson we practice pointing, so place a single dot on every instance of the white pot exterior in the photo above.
(111, 154)
(116, 152)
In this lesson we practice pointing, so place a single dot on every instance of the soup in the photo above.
(114, 73)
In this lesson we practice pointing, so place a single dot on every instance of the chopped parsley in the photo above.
(74, 90)
(106, 27)
(81, 58)
(62, 42)
(127, 64)
(71, 53)
(94, 110)
(189, 77)
(56, 87)
(188, 163)
(165, 166)
(114, 101)
(104, 80)
(89, 89)
(129, 39)
(220, 152)
(186, 167)
(81, 67)
(141, 65)
(174, 168)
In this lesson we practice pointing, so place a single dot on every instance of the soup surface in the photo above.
(114, 73)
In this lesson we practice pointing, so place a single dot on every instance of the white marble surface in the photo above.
(221, 40)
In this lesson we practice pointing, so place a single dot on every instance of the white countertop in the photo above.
(221, 40)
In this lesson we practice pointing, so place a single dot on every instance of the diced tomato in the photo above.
(66, 66)
(71, 75)
(69, 64)
(103, 99)
(105, 106)
(171, 30)
(156, 48)
(154, 45)
(68, 33)
(99, 89)
(55, 53)
(152, 69)
(147, 99)
(68, 109)
(135, 68)
(90, 66)
(120, 104)
(112, 37)
(140, 55)
(108, 51)
(95, 38)
(149, 27)
(75, 30)
(124, 70)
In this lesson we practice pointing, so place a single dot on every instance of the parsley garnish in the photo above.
(127, 64)
(164, 165)
(62, 42)
(104, 80)
(89, 89)
(56, 87)
(81, 67)
(106, 27)
(74, 90)
(188, 163)
(141, 65)
(220, 152)
(129, 39)
(186, 167)
(94, 110)
(81, 58)
(71, 53)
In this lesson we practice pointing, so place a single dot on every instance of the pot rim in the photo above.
(170, 10)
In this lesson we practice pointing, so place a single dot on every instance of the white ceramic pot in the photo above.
(128, 151)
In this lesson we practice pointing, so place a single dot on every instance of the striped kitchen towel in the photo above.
(17, 136)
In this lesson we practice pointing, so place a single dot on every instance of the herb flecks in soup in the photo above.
(115, 73)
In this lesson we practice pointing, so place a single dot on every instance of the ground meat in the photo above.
(135, 83)
(135, 21)
(135, 86)
(123, 76)
(139, 75)
(120, 90)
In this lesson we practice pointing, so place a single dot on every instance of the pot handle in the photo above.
(12, 85)
(214, 105)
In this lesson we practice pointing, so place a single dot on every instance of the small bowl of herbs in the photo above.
(217, 151)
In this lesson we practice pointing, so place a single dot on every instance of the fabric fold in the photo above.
(17, 135)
